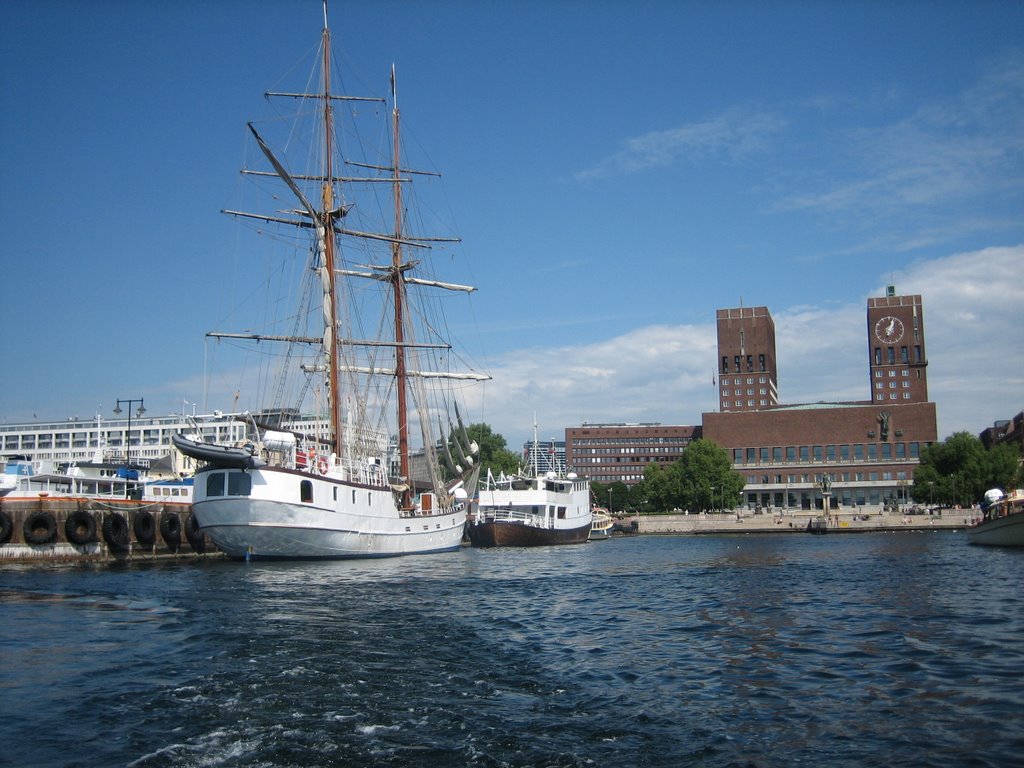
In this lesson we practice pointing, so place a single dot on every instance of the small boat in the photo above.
(531, 510)
(601, 525)
(1002, 520)
(358, 343)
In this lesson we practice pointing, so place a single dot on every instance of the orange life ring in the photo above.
(322, 465)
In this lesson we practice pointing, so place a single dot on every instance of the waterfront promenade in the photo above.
(796, 521)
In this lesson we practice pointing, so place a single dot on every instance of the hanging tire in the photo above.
(170, 530)
(6, 527)
(80, 528)
(115, 532)
(40, 528)
(144, 528)
(195, 536)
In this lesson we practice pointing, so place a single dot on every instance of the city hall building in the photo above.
(857, 454)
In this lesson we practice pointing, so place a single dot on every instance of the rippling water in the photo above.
(845, 650)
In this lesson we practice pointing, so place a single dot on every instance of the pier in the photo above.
(797, 521)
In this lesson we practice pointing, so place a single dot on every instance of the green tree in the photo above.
(621, 499)
(701, 480)
(959, 470)
(494, 455)
(708, 480)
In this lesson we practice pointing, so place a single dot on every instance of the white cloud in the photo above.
(729, 136)
(973, 310)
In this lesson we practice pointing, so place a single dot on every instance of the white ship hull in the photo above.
(342, 520)
(1000, 532)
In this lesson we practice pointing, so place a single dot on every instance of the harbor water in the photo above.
(896, 649)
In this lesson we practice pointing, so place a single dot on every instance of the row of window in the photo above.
(627, 441)
(739, 403)
(892, 396)
(738, 362)
(112, 438)
(628, 450)
(739, 392)
(803, 454)
(889, 354)
(740, 382)
(817, 477)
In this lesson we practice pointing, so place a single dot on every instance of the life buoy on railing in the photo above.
(80, 528)
(40, 528)
(170, 530)
(144, 527)
(6, 527)
(115, 532)
(322, 465)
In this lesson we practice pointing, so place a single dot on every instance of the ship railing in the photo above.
(511, 515)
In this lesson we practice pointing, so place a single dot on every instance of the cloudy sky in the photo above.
(617, 171)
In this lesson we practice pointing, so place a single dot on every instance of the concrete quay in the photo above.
(781, 521)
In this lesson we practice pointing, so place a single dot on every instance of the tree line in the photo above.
(954, 472)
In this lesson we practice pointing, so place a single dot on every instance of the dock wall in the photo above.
(34, 529)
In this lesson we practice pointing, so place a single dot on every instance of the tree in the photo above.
(959, 470)
(709, 481)
(622, 497)
(494, 455)
(702, 479)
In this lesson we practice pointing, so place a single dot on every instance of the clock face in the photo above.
(889, 330)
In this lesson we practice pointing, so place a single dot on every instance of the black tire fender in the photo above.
(144, 528)
(170, 530)
(115, 532)
(40, 528)
(80, 528)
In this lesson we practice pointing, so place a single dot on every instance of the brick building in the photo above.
(608, 453)
(865, 450)
(747, 373)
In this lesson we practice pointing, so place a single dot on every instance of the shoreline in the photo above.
(794, 522)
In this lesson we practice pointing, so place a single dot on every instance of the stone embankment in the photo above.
(744, 521)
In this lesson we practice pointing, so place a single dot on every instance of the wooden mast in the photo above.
(398, 288)
(326, 242)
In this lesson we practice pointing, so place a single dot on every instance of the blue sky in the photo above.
(617, 171)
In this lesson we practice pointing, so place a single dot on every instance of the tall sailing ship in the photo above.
(377, 375)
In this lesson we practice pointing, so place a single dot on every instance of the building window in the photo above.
(892, 396)
(805, 453)
(878, 374)
(879, 384)
(891, 355)
(906, 395)
(878, 355)
(750, 363)
(765, 455)
(872, 452)
(903, 355)
(881, 396)
(917, 353)
(751, 455)
(790, 453)
(760, 362)
(725, 364)
(777, 454)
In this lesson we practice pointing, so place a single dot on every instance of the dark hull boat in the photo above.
(507, 533)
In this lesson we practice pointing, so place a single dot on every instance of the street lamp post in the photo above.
(128, 433)
(609, 501)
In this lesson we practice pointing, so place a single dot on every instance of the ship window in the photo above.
(561, 513)
(306, 491)
(215, 484)
(239, 484)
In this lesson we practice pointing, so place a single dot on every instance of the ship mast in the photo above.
(398, 288)
(326, 243)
